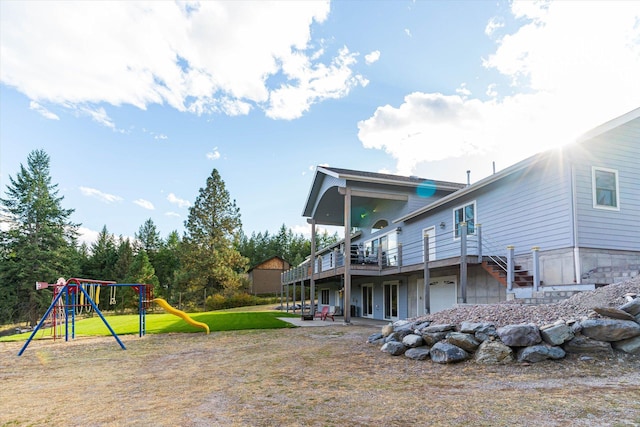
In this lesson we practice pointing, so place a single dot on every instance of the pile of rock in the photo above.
(615, 329)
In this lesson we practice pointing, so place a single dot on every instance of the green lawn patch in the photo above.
(164, 323)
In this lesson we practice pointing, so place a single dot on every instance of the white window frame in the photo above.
(324, 292)
(594, 190)
(475, 219)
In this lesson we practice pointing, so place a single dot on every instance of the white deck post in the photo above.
(463, 261)
(536, 268)
(510, 267)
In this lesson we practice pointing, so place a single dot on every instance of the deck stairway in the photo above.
(497, 268)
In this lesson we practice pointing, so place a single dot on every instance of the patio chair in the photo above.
(330, 314)
(322, 314)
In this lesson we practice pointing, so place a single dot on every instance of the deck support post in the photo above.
(312, 282)
(535, 251)
(347, 255)
(463, 261)
(510, 267)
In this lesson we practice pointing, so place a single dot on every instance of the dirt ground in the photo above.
(325, 376)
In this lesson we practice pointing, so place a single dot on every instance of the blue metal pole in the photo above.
(66, 313)
(46, 314)
(140, 311)
(76, 301)
(95, 307)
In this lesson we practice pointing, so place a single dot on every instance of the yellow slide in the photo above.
(164, 304)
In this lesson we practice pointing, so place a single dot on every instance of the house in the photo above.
(557, 223)
(265, 276)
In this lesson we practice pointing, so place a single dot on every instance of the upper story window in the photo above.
(379, 225)
(605, 188)
(466, 213)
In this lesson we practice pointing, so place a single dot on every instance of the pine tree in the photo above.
(39, 244)
(104, 256)
(166, 264)
(210, 260)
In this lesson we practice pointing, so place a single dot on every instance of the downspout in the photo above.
(574, 218)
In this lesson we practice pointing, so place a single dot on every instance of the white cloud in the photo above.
(88, 236)
(172, 214)
(407, 32)
(172, 198)
(566, 78)
(463, 90)
(372, 57)
(144, 204)
(494, 24)
(213, 155)
(315, 83)
(98, 115)
(209, 57)
(105, 197)
(43, 111)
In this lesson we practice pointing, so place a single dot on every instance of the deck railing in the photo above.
(410, 253)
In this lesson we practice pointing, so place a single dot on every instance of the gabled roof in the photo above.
(385, 178)
(267, 260)
(611, 124)
(372, 178)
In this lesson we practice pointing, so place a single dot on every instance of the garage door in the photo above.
(443, 293)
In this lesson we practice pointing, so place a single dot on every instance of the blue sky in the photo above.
(136, 103)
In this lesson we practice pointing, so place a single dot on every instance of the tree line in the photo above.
(39, 242)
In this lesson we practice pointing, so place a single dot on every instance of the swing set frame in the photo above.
(67, 291)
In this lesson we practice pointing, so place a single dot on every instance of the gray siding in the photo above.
(529, 208)
(618, 149)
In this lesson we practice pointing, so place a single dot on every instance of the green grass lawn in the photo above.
(163, 323)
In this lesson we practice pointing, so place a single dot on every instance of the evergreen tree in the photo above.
(39, 244)
(124, 260)
(210, 260)
(104, 256)
(149, 238)
(167, 263)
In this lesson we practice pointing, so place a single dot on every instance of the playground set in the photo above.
(74, 296)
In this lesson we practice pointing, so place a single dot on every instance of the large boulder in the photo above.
(446, 327)
(394, 348)
(482, 330)
(430, 338)
(557, 334)
(387, 330)
(494, 352)
(540, 352)
(418, 353)
(631, 345)
(614, 313)
(413, 340)
(582, 344)
(443, 352)
(467, 342)
(632, 307)
(523, 335)
(610, 329)
(375, 338)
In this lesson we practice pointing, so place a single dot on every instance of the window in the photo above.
(379, 225)
(605, 188)
(466, 213)
(324, 296)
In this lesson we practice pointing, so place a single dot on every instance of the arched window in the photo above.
(379, 225)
